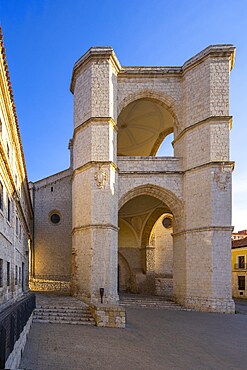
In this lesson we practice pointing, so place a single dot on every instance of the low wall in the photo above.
(14, 358)
(109, 316)
(164, 287)
(15, 322)
(43, 285)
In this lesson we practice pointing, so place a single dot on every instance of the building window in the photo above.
(167, 222)
(241, 262)
(16, 226)
(8, 273)
(241, 282)
(1, 272)
(20, 231)
(19, 275)
(16, 275)
(8, 152)
(8, 214)
(55, 218)
(1, 196)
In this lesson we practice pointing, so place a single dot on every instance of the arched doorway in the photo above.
(145, 238)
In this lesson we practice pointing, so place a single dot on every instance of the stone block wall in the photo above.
(52, 242)
(109, 316)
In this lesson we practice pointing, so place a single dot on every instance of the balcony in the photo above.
(240, 267)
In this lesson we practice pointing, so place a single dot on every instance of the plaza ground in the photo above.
(153, 340)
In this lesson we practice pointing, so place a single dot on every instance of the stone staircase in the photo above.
(146, 301)
(55, 309)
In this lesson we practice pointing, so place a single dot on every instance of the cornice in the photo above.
(93, 164)
(220, 50)
(208, 120)
(13, 120)
(94, 53)
(94, 226)
(101, 120)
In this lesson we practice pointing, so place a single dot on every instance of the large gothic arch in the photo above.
(166, 196)
(169, 103)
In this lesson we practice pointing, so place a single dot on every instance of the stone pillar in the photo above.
(95, 177)
(202, 248)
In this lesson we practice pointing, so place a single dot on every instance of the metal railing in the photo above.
(12, 322)
(242, 266)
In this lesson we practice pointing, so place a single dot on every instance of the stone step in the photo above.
(63, 311)
(63, 318)
(150, 302)
(76, 322)
(71, 308)
(63, 315)
(51, 315)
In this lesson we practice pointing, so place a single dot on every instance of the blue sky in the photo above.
(44, 38)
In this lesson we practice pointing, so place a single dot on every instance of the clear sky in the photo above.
(44, 38)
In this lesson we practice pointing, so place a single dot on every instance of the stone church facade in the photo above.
(123, 219)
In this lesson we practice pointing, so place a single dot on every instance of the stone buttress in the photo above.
(202, 250)
(95, 178)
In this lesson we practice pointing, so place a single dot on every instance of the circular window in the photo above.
(167, 222)
(55, 218)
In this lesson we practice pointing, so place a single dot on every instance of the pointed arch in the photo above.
(166, 196)
(164, 100)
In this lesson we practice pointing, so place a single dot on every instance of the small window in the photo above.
(20, 231)
(16, 226)
(19, 275)
(1, 196)
(51, 188)
(8, 214)
(167, 222)
(1, 272)
(241, 282)
(8, 273)
(55, 218)
(8, 151)
(241, 262)
(16, 275)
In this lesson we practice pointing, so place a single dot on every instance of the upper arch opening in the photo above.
(142, 126)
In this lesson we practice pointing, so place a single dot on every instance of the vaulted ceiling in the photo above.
(142, 126)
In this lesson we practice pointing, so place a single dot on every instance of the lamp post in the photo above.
(101, 292)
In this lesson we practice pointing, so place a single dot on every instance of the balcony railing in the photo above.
(242, 267)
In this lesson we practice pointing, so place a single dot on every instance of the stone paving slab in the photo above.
(153, 340)
(57, 300)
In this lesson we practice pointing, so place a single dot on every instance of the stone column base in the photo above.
(208, 304)
(109, 316)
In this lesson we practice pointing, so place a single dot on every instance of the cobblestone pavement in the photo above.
(153, 340)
